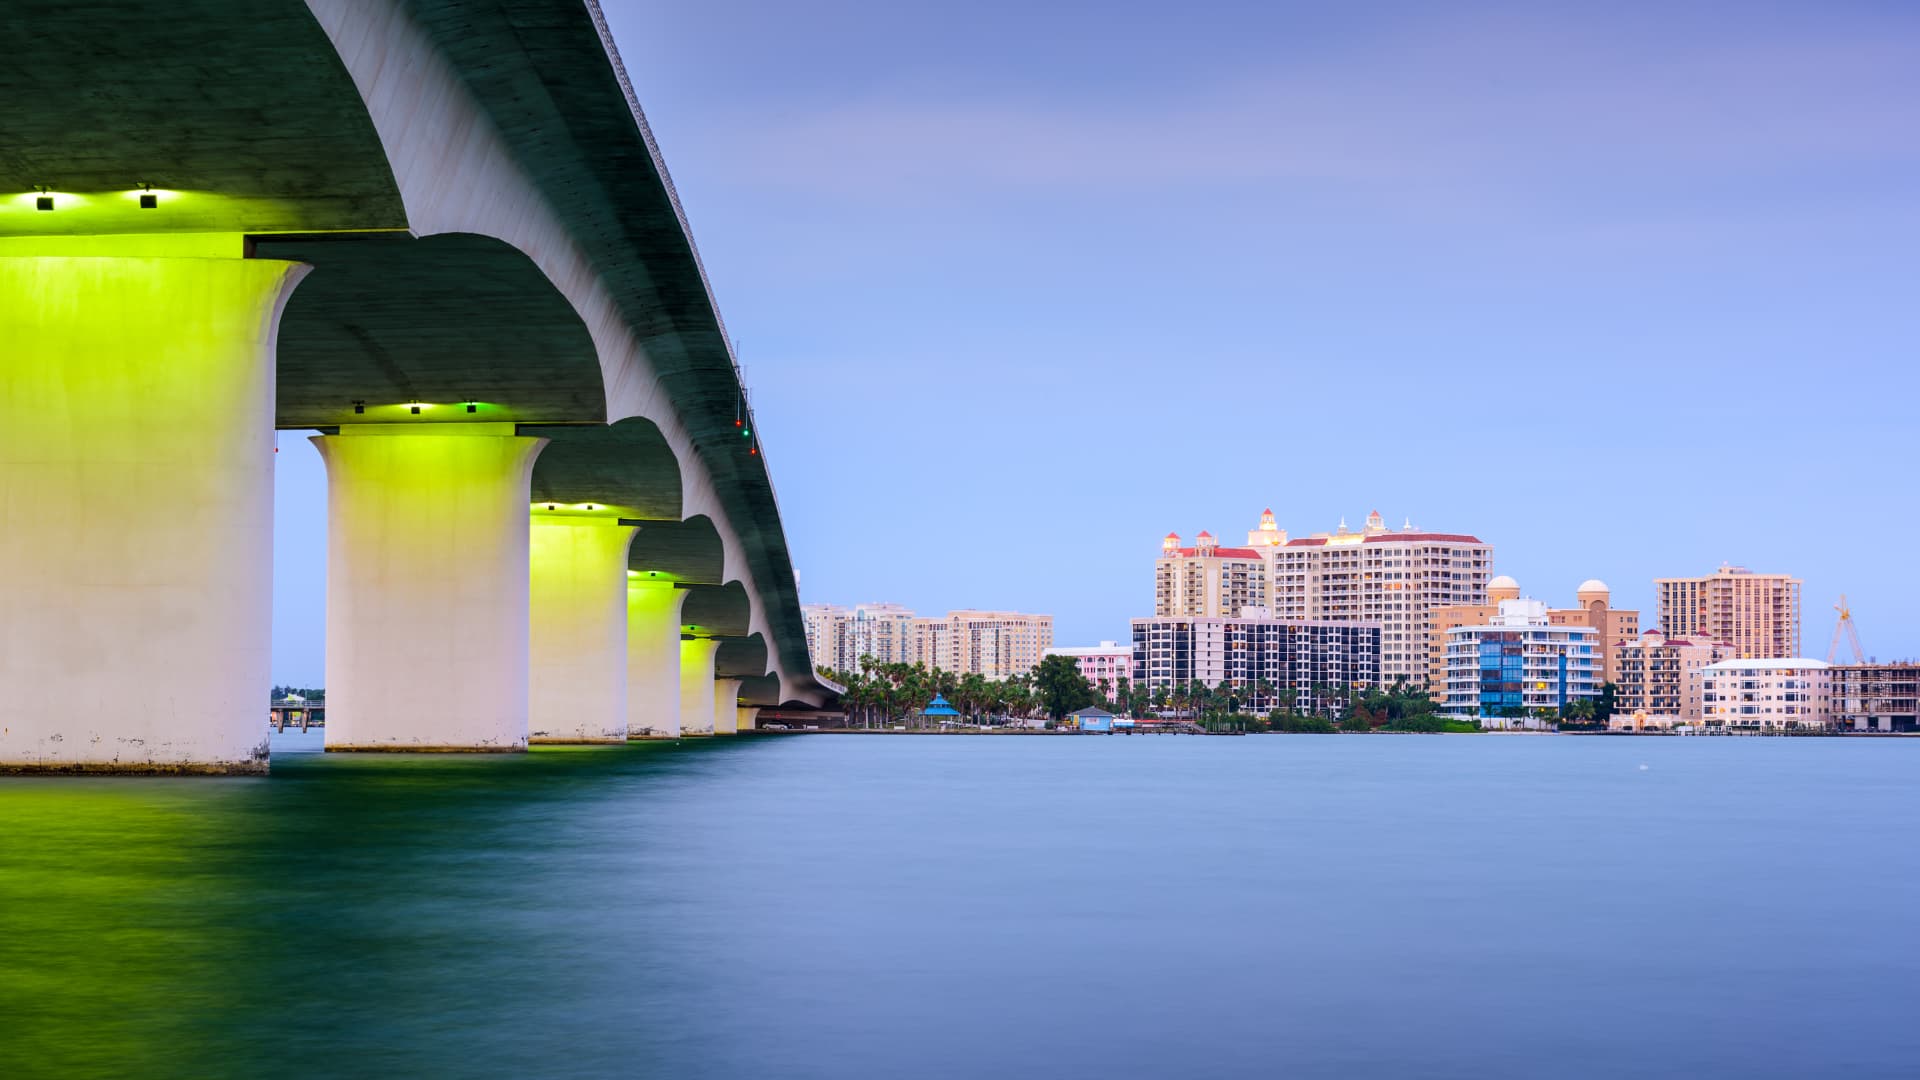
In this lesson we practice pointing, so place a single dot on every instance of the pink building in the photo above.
(1109, 660)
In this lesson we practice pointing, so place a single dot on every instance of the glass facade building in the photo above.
(1505, 672)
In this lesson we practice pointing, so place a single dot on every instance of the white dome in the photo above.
(1504, 582)
(1592, 585)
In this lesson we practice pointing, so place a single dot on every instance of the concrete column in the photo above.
(653, 658)
(577, 648)
(427, 573)
(696, 685)
(745, 716)
(136, 502)
(726, 706)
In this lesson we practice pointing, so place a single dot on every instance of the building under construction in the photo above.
(1876, 697)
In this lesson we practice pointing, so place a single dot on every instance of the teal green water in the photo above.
(827, 906)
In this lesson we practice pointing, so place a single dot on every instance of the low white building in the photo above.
(1502, 673)
(1766, 695)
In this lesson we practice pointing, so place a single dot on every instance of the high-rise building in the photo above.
(1592, 607)
(1315, 666)
(994, 644)
(1501, 672)
(1106, 664)
(1772, 693)
(1657, 681)
(837, 637)
(1396, 579)
(1207, 580)
(1876, 697)
(1757, 614)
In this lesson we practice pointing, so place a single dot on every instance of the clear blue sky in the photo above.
(1020, 287)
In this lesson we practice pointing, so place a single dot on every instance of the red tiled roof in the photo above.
(1388, 538)
(1223, 553)
(1458, 538)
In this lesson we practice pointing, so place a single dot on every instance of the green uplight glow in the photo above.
(597, 513)
(127, 210)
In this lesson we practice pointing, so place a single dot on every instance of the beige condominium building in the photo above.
(994, 644)
(1659, 681)
(1377, 575)
(1758, 615)
(1207, 581)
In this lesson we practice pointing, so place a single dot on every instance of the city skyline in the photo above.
(1653, 289)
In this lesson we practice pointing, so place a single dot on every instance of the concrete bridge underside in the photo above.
(440, 235)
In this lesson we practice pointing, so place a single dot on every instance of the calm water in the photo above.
(986, 907)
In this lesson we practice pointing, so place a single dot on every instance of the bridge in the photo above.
(441, 235)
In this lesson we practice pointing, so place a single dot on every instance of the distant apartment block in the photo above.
(1314, 666)
(1875, 697)
(1766, 694)
(1592, 607)
(1758, 615)
(1106, 664)
(990, 643)
(1503, 671)
(994, 644)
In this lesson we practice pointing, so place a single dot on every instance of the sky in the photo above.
(1628, 291)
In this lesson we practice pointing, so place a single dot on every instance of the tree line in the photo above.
(881, 693)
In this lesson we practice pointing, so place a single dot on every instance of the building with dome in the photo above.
(1612, 626)
(1508, 670)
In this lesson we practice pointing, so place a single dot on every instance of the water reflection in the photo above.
(346, 916)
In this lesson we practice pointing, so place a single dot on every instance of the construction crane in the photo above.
(1845, 625)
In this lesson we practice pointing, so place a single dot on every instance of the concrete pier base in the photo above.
(577, 646)
(653, 658)
(696, 685)
(427, 586)
(726, 706)
(745, 716)
(136, 502)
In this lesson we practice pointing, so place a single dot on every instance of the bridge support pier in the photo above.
(653, 658)
(427, 586)
(696, 685)
(577, 647)
(726, 706)
(745, 717)
(136, 502)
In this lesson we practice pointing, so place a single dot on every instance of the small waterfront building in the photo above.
(1766, 695)
(1505, 672)
(1092, 718)
(1876, 697)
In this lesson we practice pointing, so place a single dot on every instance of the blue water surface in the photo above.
(906, 906)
